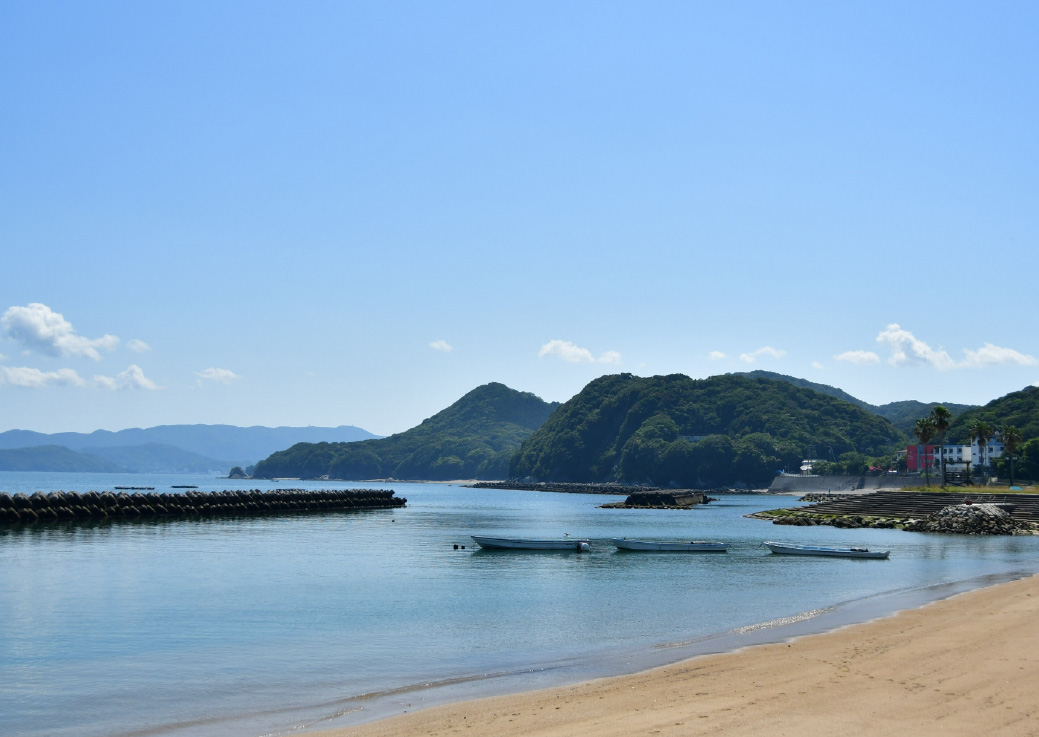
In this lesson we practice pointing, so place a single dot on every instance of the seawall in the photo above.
(789, 483)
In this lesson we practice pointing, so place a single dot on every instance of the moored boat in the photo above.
(526, 543)
(668, 546)
(793, 549)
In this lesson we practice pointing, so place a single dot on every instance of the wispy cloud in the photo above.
(907, 349)
(34, 378)
(862, 358)
(572, 353)
(138, 346)
(763, 351)
(716, 356)
(818, 366)
(40, 329)
(132, 378)
(441, 345)
(219, 375)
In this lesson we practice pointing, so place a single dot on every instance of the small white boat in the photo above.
(525, 543)
(666, 546)
(792, 549)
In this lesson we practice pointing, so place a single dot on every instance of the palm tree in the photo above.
(941, 418)
(1011, 438)
(982, 432)
(924, 430)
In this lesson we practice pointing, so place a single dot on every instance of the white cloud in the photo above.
(763, 351)
(716, 356)
(906, 348)
(34, 378)
(219, 375)
(41, 329)
(818, 366)
(441, 345)
(132, 378)
(138, 346)
(861, 358)
(567, 351)
(989, 355)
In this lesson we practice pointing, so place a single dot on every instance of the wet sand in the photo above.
(966, 665)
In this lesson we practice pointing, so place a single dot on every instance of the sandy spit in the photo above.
(967, 665)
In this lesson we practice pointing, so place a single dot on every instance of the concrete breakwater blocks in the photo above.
(62, 506)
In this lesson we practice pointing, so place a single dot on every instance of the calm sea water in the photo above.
(269, 626)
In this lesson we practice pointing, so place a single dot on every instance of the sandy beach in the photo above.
(967, 665)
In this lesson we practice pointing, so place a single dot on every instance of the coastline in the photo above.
(959, 665)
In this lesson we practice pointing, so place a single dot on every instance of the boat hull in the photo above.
(515, 543)
(665, 546)
(789, 549)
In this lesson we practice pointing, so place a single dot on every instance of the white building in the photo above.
(973, 453)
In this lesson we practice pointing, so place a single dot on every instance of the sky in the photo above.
(351, 213)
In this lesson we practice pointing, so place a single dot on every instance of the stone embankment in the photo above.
(920, 512)
(59, 506)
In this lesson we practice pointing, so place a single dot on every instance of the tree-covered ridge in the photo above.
(902, 414)
(675, 430)
(476, 437)
(1020, 409)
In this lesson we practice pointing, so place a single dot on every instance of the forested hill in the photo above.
(1020, 409)
(476, 437)
(902, 414)
(696, 433)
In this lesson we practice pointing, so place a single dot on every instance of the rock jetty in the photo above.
(61, 506)
(566, 488)
(661, 499)
(970, 519)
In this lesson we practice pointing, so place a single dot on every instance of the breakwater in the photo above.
(660, 499)
(61, 506)
(952, 512)
(562, 487)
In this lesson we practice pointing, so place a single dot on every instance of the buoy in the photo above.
(584, 547)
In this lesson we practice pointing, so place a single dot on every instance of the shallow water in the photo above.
(266, 625)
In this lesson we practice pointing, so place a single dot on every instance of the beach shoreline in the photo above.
(959, 665)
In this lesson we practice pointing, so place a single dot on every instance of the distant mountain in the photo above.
(159, 458)
(902, 414)
(673, 430)
(475, 437)
(228, 444)
(55, 458)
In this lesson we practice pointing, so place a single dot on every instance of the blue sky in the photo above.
(323, 213)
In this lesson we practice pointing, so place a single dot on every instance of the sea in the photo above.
(270, 626)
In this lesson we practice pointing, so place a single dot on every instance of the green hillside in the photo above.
(902, 414)
(476, 437)
(1020, 409)
(675, 430)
